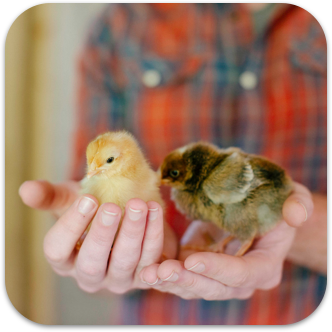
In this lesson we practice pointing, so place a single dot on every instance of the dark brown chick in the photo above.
(241, 193)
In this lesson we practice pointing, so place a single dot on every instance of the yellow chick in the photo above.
(117, 171)
(241, 193)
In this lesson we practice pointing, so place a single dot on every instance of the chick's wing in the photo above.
(229, 182)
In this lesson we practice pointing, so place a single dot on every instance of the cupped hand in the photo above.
(139, 242)
(216, 276)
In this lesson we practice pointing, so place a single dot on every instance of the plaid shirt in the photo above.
(176, 73)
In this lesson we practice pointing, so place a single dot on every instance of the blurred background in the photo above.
(41, 57)
(41, 53)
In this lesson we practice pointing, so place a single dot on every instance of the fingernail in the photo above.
(86, 205)
(153, 213)
(154, 283)
(173, 277)
(108, 218)
(198, 268)
(305, 211)
(134, 214)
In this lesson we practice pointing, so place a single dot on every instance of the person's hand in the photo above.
(139, 242)
(42, 195)
(215, 276)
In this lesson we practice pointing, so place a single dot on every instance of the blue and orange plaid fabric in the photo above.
(177, 73)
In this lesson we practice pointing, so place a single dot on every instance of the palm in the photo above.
(198, 233)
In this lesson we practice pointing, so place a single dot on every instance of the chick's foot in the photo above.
(214, 247)
(244, 247)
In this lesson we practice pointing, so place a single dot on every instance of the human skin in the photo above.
(139, 242)
(135, 258)
(309, 247)
(214, 276)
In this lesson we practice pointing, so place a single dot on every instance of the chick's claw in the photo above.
(220, 247)
(193, 247)
(245, 247)
(211, 246)
(242, 194)
(208, 245)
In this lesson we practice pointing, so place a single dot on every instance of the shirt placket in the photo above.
(250, 129)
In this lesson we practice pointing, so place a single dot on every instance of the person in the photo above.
(245, 75)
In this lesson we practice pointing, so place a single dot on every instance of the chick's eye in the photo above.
(109, 160)
(174, 173)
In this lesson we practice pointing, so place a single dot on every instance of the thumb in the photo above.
(298, 207)
(43, 195)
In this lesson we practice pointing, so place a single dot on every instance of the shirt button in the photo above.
(248, 80)
(151, 78)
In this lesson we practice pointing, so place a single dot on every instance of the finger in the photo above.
(153, 237)
(197, 232)
(298, 207)
(277, 242)
(46, 196)
(197, 236)
(61, 239)
(260, 268)
(149, 276)
(173, 271)
(93, 256)
(250, 271)
(126, 251)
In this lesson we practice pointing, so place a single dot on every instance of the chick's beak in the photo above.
(160, 177)
(163, 181)
(93, 172)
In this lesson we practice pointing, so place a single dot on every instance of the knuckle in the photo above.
(123, 265)
(152, 250)
(87, 289)
(118, 290)
(156, 236)
(218, 272)
(246, 295)
(130, 235)
(62, 273)
(273, 276)
(188, 297)
(238, 280)
(89, 269)
(53, 255)
(213, 295)
(100, 239)
(70, 227)
(208, 297)
(273, 282)
(190, 283)
(244, 277)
